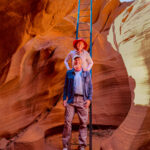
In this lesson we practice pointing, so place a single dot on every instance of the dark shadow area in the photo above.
(75, 127)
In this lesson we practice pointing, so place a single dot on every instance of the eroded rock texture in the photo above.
(35, 38)
(130, 35)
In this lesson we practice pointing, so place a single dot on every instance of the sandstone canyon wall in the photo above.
(35, 38)
(130, 36)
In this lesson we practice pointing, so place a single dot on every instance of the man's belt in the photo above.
(78, 95)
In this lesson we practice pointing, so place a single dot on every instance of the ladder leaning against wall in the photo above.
(84, 13)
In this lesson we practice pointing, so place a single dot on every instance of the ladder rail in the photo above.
(78, 19)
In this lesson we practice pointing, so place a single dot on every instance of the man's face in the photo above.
(80, 45)
(77, 63)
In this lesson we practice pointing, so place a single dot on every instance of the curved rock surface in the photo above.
(35, 38)
(130, 35)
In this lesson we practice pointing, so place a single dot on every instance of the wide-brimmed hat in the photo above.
(78, 40)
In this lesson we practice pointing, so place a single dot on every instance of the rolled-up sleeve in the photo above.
(65, 88)
(67, 60)
(90, 61)
(90, 87)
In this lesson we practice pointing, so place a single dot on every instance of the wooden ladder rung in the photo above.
(85, 16)
(84, 3)
(85, 10)
(85, 37)
(83, 22)
(85, 30)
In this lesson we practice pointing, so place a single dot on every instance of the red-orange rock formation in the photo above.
(35, 38)
(130, 35)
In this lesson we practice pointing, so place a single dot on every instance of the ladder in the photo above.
(90, 49)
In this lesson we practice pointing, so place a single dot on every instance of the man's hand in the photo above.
(87, 103)
(65, 103)
(69, 69)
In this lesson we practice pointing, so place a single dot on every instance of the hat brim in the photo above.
(76, 56)
(78, 40)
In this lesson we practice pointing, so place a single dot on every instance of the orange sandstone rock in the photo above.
(130, 36)
(35, 38)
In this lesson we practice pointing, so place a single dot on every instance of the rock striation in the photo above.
(129, 35)
(35, 38)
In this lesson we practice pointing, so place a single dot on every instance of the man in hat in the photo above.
(80, 45)
(76, 98)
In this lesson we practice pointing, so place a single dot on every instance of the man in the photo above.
(78, 89)
(80, 45)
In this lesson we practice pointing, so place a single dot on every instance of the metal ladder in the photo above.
(90, 49)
